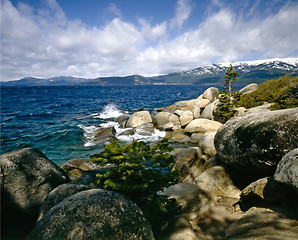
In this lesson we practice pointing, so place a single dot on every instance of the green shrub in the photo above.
(283, 92)
(140, 172)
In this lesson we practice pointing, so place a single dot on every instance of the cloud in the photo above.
(44, 43)
(114, 9)
(183, 11)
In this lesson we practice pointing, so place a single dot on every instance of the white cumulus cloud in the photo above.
(44, 43)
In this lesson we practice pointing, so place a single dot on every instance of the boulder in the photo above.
(110, 131)
(211, 94)
(258, 142)
(138, 119)
(249, 88)
(196, 112)
(196, 137)
(93, 214)
(184, 116)
(262, 223)
(161, 119)
(189, 196)
(202, 126)
(58, 195)
(287, 170)
(208, 111)
(128, 132)
(188, 162)
(77, 167)
(27, 177)
(217, 182)
(201, 102)
(206, 144)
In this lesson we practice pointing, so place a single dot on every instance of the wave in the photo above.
(109, 111)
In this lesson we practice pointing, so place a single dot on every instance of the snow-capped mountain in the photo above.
(249, 71)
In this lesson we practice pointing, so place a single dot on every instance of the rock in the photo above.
(75, 168)
(173, 118)
(263, 192)
(259, 109)
(110, 131)
(180, 229)
(196, 112)
(128, 132)
(217, 182)
(256, 143)
(201, 102)
(287, 170)
(249, 88)
(161, 119)
(138, 119)
(59, 194)
(93, 214)
(239, 112)
(262, 223)
(122, 118)
(104, 139)
(211, 94)
(206, 144)
(27, 177)
(180, 137)
(209, 110)
(184, 116)
(196, 137)
(189, 196)
(188, 162)
(202, 126)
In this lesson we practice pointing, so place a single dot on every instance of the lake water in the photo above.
(60, 121)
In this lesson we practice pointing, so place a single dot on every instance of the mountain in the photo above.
(249, 71)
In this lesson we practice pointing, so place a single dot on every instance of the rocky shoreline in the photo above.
(238, 180)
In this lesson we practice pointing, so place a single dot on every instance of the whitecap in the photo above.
(156, 135)
(109, 111)
(89, 131)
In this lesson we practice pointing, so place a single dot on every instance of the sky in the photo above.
(98, 38)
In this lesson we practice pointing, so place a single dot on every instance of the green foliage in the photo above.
(283, 92)
(229, 95)
(140, 172)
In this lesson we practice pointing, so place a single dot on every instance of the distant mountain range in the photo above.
(249, 72)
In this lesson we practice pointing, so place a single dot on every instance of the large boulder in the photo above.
(206, 143)
(58, 195)
(161, 119)
(217, 182)
(184, 116)
(27, 177)
(138, 119)
(287, 170)
(211, 94)
(262, 223)
(93, 214)
(257, 142)
(202, 126)
(249, 88)
(188, 162)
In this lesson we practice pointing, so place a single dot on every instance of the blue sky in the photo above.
(92, 38)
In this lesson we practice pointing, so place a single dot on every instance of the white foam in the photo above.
(156, 135)
(109, 111)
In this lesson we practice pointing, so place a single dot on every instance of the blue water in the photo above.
(57, 120)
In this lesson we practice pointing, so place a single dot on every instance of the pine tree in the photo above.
(228, 95)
